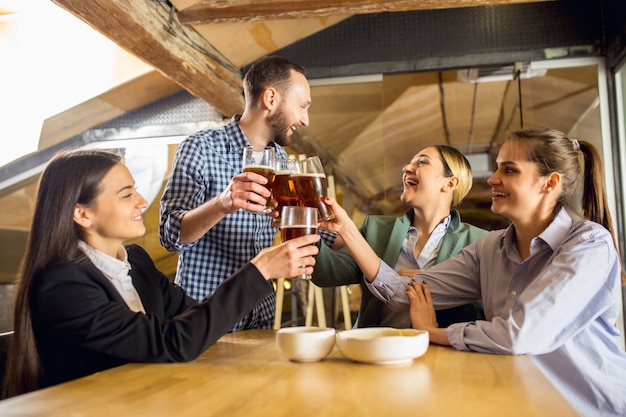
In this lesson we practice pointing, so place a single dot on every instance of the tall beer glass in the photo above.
(284, 190)
(296, 221)
(312, 186)
(261, 160)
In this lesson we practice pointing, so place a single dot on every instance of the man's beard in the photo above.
(280, 126)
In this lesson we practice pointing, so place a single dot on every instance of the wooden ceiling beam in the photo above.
(150, 31)
(229, 11)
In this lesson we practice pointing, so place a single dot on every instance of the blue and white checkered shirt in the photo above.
(203, 167)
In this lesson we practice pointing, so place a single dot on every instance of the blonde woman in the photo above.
(434, 182)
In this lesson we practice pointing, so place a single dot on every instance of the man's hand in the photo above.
(246, 191)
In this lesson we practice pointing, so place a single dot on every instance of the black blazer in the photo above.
(82, 325)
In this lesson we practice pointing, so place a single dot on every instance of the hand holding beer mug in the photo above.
(261, 160)
(298, 221)
(312, 186)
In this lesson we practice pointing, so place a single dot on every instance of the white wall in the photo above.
(51, 61)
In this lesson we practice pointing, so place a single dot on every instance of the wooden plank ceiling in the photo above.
(206, 65)
(351, 123)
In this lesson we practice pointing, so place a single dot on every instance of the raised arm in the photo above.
(361, 251)
(245, 191)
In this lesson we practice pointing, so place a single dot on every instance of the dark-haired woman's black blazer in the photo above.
(82, 325)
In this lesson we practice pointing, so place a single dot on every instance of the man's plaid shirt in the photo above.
(203, 167)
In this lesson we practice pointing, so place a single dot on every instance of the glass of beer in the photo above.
(261, 160)
(296, 221)
(284, 190)
(312, 186)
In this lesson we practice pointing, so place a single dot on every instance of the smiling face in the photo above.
(293, 110)
(518, 191)
(424, 181)
(116, 215)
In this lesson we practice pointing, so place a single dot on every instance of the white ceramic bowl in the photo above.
(305, 343)
(382, 345)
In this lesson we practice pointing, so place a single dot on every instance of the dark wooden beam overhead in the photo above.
(148, 30)
(210, 11)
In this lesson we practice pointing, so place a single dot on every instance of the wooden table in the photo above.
(244, 374)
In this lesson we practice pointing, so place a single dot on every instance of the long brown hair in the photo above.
(71, 177)
(552, 151)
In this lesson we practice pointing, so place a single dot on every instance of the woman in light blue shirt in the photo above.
(550, 282)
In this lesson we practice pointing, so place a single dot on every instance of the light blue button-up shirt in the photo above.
(428, 255)
(407, 260)
(559, 306)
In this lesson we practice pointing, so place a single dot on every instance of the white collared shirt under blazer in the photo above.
(117, 272)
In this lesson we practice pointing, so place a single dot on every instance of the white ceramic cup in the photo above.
(305, 343)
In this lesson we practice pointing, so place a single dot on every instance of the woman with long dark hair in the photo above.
(86, 302)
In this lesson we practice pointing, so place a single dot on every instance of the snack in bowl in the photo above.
(305, 343)
(382, 345)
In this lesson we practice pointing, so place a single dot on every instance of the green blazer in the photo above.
(385, 235)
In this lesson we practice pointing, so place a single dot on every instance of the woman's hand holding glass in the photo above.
(288, 258)
(298, 221)
(340, 219)
(351, 237)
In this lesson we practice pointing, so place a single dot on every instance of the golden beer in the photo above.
(296, 221)
(269, 173)
(292, 232)
(284, 191)
(312, 190)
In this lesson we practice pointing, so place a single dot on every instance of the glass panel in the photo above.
(368, 131)
(565, 99)
(346, 131)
